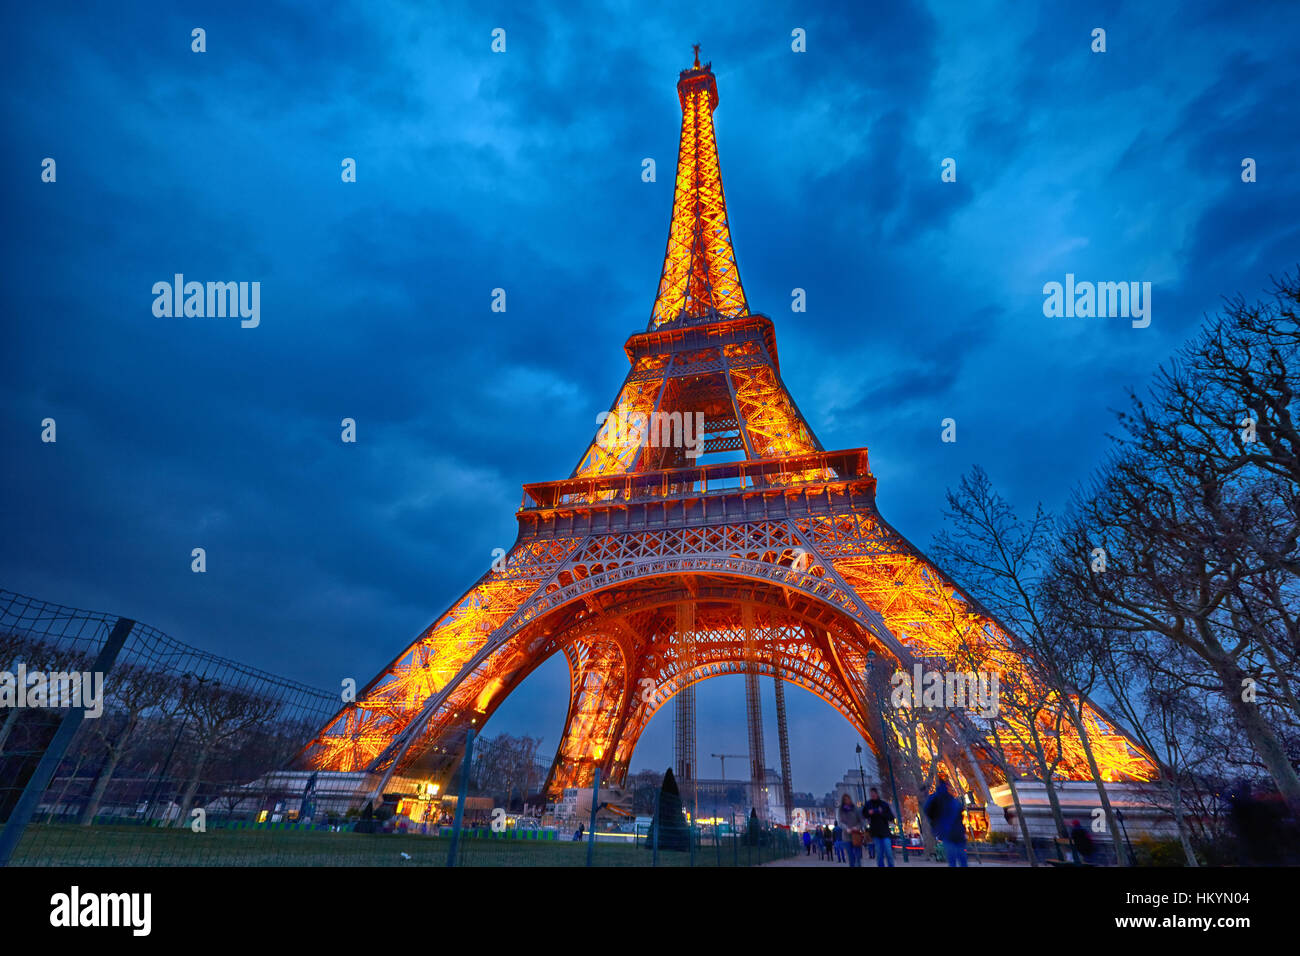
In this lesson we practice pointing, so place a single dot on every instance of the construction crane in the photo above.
(723, 758)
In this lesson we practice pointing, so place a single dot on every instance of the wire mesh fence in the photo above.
(122, 746)
(698, 846)
(169, 753)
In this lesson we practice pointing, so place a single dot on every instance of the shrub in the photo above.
(1153, 852)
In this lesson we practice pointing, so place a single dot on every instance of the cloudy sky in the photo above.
(522, 170)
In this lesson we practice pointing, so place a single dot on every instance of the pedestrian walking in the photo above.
(852, 827)
(879, 816)
(944, 812)
(1082, 841)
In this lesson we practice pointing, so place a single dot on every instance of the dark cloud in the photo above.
(522, 172)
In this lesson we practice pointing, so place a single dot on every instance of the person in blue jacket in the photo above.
(944, 812)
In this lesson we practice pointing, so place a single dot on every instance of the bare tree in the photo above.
(1157, 688)
(215, 716)
(14, 647)
(136, 690)
(915, 737)
(989, 734)
(1004, 561)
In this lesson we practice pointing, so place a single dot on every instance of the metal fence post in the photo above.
(591, 830)
(655, 825)
(53, 755)
(460, 801)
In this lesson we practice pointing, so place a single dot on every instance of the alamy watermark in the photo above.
(65, 689)
(1105, 300)
(951, 690)
(128, 910)
(211, 300)
(622, 429)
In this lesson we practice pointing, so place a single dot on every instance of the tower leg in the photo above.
(597, 700)
(787, 789)
(684, 743)
(684, 746)
(754, 713)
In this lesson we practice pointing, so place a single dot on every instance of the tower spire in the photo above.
(700, 279)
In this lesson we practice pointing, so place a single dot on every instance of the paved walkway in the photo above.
(912, 860)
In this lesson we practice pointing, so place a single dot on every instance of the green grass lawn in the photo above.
(107, 845)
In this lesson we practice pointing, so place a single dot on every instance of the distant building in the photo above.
(575, 804)
(857, 783)
(1143, 805)
(730, 799)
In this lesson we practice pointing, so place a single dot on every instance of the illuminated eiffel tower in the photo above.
(655, 565)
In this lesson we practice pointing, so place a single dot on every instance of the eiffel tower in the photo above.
(652, 568)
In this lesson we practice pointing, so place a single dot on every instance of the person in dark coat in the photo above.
(878, 817)
(1082, 841)
(944, 811)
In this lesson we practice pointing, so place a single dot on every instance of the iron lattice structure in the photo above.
(651, 571)
(684, 750)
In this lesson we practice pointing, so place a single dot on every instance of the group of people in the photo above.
(825, 841)
(855, 827)
(869, 826)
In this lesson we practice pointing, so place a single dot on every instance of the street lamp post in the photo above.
(1132, 857)
(862, 774)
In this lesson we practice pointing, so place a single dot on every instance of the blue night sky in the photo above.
(522, 170)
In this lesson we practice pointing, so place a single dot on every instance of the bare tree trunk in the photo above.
(101, 784)
(187, 801)
(1015, 800)
(927, 834)
(1020, 818)
(1176, 800)
(1046, 773)
(116, 751)
(928, 840)
(1261, 734)
(58, 805)
(1280, 675)
(979, 775)
(1116, 839)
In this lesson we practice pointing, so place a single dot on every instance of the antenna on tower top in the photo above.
(697, 55)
